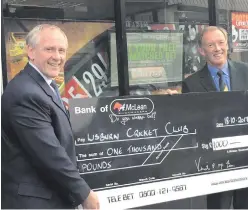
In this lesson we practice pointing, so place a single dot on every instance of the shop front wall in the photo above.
(162, 46)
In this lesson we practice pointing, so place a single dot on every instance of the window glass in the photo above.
(233, 16)
(162, 43)
(86, 24)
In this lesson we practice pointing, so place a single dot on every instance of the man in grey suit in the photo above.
(38, 155)
(219, 74)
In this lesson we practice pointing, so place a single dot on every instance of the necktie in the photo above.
(55, 87)
(222, 84)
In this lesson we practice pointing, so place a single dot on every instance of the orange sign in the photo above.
(239, 31)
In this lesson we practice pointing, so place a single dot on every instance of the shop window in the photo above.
(86, 24)
(161, 43)
(233, 16)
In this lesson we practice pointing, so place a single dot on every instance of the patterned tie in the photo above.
(222, 84)
(55, 87)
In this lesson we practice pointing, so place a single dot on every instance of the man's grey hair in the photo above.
(212, 28)
(33, 37)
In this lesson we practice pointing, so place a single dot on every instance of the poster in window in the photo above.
(86, 70)
(239, 21)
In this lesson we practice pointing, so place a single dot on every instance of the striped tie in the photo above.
(222, 85)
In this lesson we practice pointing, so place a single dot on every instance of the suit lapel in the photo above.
(236, 78)
(42, 83)
(206, 80)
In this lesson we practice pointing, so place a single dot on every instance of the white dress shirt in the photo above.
(48, 81)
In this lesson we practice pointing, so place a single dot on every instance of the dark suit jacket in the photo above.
(38, 154)
(202, 81)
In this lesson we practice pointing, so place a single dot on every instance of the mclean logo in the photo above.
(131, 106)
(241, 44)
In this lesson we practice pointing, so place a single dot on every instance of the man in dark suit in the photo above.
(219, 74)
(38, 155)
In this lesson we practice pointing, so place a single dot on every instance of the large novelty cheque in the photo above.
(137, 151)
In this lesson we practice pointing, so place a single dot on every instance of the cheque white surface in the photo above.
(157, 192)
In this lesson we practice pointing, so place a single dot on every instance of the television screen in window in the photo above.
(153, 57)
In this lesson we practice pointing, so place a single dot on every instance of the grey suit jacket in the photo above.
(202, 81)
(38, 155)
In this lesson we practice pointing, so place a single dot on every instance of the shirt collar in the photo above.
(213, 70)
(48, 81)
(225, 69)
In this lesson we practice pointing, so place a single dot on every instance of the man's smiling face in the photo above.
(49, 53)
(214, 48)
